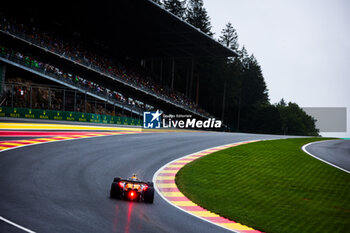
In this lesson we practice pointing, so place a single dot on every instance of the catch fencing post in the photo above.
(172, 73)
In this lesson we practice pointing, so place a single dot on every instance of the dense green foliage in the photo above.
(272, 186)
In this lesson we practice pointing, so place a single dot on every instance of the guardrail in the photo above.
(66, 116)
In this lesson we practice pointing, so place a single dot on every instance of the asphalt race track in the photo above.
(336, 152)
(64, 186)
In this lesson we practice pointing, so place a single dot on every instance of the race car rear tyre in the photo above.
(150, 184)
(115, 190)
(116, 179)
(148, 196)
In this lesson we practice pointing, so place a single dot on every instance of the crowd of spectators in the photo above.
(72, 79)
(77, 53)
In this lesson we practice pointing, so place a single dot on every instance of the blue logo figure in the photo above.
(151, 120)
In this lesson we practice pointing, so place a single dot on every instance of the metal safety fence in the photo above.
(67, 116)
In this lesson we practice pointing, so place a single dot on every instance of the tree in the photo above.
(253, 92)
(265, 119)
(229, 37)
(295, 121)
(176, 7)
(198, 16)
(244, 57)
(282, 103)
(257, 86)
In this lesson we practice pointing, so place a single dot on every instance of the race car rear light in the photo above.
(132, 194)
(121, 184)
(145, 188)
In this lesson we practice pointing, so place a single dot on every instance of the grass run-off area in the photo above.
(272, 186)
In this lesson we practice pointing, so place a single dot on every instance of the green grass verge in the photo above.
(272, 186)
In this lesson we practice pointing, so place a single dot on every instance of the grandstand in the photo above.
(94, 55)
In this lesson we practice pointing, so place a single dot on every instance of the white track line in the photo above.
(16, 225)
(325, 161)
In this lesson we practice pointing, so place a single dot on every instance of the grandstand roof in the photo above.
(131, 27)
(167, 35)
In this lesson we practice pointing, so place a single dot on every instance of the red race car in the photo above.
(132, 189)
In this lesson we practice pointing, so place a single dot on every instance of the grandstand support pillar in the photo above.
(123, 110)
(161, 71)
(187, 77)
(105, 107)
(2, 77)
(31, 97)
(85, 107)
(13, 89)
(197, 91)
(172, 72)
(49, 98)
(113, 108)
(75, 100)
(191, 78)
(95, 106)
(223, 101)
(64, 100)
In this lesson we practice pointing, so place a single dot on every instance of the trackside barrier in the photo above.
(66, 116)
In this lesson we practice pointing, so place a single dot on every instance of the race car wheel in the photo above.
(116, 179)
(148, 195)
(115, 190)
(150, 184)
